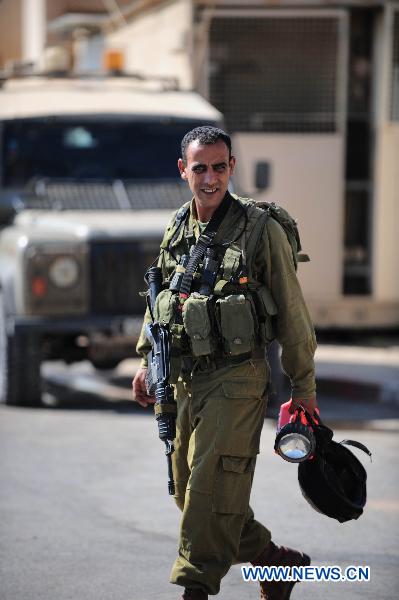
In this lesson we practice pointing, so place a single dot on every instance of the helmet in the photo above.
(334, 480)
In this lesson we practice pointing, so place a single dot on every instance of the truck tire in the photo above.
(20, 382)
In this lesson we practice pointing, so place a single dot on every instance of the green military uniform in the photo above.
(220, 394)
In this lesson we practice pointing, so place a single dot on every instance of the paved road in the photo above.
(85, 514)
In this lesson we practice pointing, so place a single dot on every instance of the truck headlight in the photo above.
(64, 272)
(56, 279)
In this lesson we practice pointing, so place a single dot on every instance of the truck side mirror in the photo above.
(262, 175)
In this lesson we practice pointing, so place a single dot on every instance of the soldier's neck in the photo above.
(204, 213)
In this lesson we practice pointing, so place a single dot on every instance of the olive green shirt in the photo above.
(272, 264)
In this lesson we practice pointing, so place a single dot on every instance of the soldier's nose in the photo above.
(209, 179)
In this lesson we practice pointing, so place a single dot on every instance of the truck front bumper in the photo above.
(114, 325)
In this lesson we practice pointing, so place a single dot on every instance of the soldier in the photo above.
(219, 368)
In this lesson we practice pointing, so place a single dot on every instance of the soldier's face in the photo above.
(207, 171)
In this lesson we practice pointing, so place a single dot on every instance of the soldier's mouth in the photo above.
(209, 190)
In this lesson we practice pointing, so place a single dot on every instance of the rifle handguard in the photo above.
(166, 427)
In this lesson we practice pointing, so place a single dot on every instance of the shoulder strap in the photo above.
(180, 219)
(358, 445)
(256, 220)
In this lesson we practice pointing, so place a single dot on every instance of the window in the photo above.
(87, 149)
(275, 74)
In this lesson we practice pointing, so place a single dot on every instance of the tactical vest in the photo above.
(239, 316)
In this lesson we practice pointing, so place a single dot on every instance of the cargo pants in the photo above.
(219, 422)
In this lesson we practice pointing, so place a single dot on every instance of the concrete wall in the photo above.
(10, 31)
(386, 215)
(386, 168)
(306, 179)
(158, 42)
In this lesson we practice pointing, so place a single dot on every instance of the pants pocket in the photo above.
(241, 414)
(233, 485)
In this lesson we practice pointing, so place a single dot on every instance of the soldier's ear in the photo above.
(182, 169)
(232, 164)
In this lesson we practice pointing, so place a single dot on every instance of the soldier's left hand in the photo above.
(139, 391)
(309, 404)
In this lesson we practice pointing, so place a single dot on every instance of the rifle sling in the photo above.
(203, 242)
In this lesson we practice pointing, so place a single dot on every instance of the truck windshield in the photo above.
(91, 149)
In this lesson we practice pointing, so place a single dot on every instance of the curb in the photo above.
(364, 391)
(349, 389)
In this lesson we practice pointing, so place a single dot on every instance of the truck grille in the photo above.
(117, 195)
(117, 269)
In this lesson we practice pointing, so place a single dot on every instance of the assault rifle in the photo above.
(158, 373)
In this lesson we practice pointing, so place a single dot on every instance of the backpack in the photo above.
(289, 226)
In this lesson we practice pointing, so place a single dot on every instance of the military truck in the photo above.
(88, 180)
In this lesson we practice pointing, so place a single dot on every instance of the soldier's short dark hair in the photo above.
(206, 134)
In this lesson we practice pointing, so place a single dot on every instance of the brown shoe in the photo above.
(190, 594)
(279, 556)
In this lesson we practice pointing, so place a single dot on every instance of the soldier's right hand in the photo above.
(139, 391)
